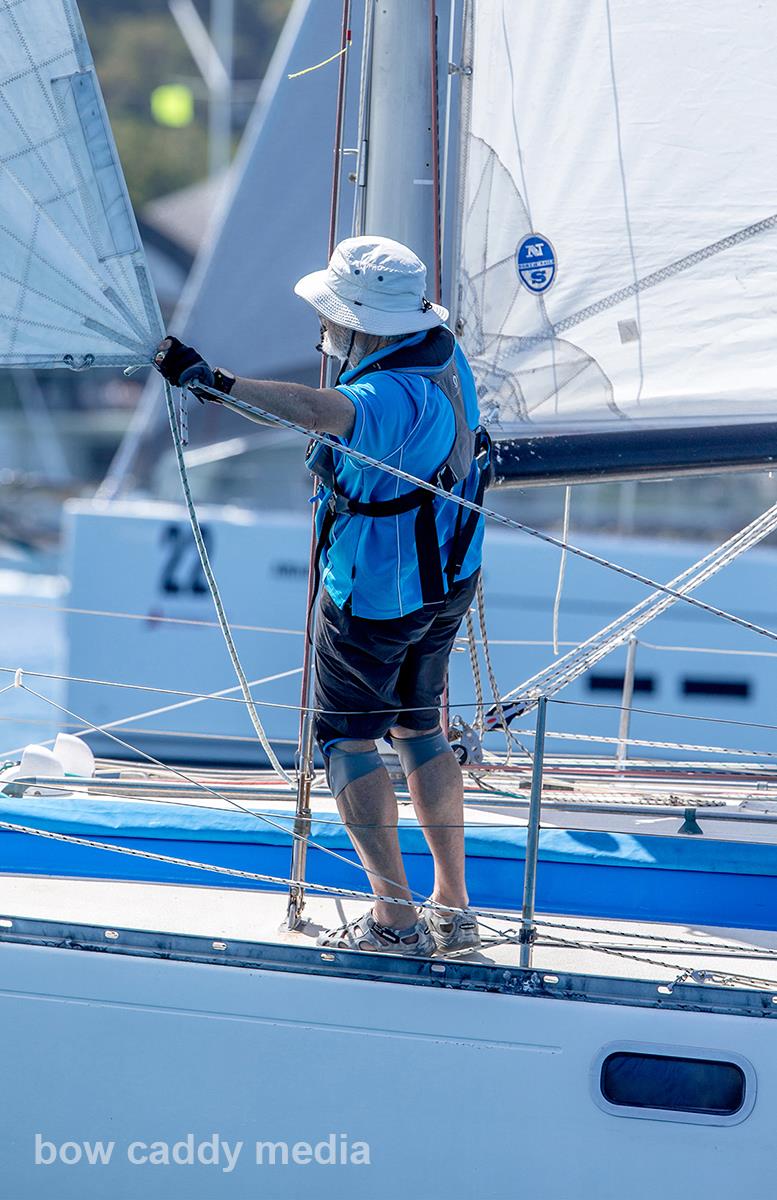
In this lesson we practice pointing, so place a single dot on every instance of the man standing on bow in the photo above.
(398, 568)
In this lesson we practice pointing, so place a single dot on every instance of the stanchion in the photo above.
(528, 930)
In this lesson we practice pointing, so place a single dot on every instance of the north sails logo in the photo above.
(535, 262)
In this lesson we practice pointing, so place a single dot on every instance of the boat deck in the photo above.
(731, 802)
(632, 950)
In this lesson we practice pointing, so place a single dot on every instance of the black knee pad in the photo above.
(413, 752)
(344, 766)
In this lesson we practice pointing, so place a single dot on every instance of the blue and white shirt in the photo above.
(405, 420)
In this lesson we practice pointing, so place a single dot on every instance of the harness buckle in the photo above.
(338, 504)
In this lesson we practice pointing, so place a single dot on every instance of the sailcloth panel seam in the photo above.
(60, 171)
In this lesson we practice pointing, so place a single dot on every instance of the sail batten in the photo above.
(74, 285)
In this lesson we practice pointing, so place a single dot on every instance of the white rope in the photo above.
(579, 660)
(215, 593)
(591, 737)
(480, 708)
(562, 566)
(510, 739)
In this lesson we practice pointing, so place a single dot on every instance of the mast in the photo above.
(400, 185)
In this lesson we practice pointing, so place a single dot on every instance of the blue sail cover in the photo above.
(74, 285)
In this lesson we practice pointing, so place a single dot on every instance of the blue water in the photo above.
(31, 637)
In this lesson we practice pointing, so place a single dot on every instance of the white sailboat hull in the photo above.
(167, 637)
(440, 1094)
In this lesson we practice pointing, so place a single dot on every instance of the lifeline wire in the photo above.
(167, 708)
(504, 936)
(417, 898)
(419, 902)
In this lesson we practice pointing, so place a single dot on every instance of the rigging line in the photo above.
(664, 273)
(648, 281)
(327, 889)
(214, 868)
(657, 712)
(602, 643)
(417, 897)
(138, 687)
(685, 974)
(216, 594)
(709, 650)
(510, 739)
(614, 741)
(325, 63)
(676, 942)
(480, 708)
(261, 416)
(78, 728)
(562, 566)
(148, 618)
(167, 708)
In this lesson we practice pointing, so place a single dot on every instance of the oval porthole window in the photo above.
(686, 1085)
(673, 1083)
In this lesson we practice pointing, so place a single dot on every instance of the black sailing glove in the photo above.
(181, 365)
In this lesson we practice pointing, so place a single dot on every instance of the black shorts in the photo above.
(371, 675)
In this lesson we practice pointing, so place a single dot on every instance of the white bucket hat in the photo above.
(374, 285)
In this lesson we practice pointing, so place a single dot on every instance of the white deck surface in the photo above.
(622, 949)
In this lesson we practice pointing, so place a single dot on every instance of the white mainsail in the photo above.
(74, 286)
(630, 144)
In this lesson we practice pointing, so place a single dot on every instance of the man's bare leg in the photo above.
(368, 807)
(437, 791)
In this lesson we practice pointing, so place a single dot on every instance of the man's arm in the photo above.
(322, 410)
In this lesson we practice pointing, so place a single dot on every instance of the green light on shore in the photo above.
(173, 105)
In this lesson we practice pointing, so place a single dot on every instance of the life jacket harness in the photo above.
(469, 445)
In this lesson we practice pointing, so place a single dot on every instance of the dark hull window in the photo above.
(739, 689)
(614, 683)
(683, 1085)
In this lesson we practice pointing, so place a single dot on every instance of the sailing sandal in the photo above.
(453, 931)
(365, 933)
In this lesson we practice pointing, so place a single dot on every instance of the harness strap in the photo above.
(465, 529)
(428, 553)
(430, 568)
(324, 534)
(385, 508)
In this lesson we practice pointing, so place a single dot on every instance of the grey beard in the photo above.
(339, 342)
(336, 342)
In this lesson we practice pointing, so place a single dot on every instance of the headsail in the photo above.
(619, 223)
(74, 286)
